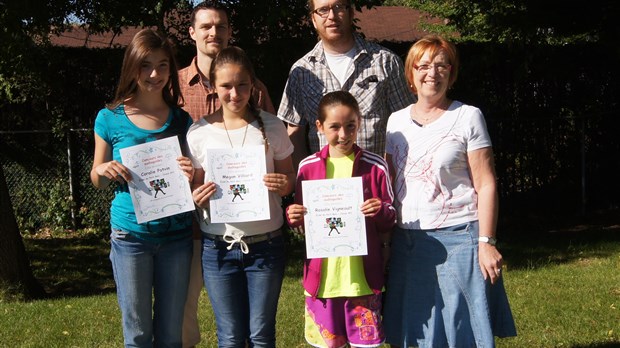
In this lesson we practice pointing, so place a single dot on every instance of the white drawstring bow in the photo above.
(236, 237)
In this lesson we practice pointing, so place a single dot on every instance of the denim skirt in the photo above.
(436, 294)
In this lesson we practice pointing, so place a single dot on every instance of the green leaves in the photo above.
(524, 21)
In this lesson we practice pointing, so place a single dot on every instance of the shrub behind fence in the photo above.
(49, 180)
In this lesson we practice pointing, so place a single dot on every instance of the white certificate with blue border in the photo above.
(241, 194)
(334, 224)
(158, 187)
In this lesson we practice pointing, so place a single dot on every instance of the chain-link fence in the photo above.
(556, 165)
(48, 177)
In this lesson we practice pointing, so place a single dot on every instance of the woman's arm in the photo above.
(105, 170)
(482, 167)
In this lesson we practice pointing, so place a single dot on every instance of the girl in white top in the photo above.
(243, 263)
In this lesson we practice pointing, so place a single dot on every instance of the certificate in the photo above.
(334, 224)
(158, 187)
(241, 194)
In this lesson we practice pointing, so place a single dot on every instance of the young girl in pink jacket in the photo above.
(343, 294)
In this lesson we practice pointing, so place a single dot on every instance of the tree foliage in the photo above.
(524, 21)
(30, 86)
(20, 70)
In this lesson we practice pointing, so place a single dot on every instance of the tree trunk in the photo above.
(16, 276)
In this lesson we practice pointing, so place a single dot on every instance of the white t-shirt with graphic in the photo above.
(432, 182)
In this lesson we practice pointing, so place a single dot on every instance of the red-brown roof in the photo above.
(79, 37)
(382, 23)
(393, 23)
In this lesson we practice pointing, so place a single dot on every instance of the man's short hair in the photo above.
(208, 5)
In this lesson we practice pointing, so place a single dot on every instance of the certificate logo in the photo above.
(236, 190)
(333, 223)
(158, 185)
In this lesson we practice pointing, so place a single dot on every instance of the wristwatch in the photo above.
(490, 240)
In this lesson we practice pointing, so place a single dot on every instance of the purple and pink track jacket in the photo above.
(376, 183)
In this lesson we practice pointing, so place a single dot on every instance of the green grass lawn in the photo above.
(563, 285)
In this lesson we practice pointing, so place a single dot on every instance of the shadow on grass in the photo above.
(533, 242)
(71, 266)
(599, 345)
(79, 265)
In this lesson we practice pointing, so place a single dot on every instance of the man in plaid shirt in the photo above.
(211, 30)
(342, 60)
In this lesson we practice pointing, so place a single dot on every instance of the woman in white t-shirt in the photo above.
(444, 287)
(242, 262)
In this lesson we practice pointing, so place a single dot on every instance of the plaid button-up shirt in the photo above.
(201, 98)
(376, 79)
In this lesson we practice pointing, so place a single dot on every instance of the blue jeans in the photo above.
(143, 270)
(244, 290)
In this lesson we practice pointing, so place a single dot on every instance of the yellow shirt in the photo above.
(342, 276)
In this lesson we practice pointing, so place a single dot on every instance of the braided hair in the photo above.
(235, 55)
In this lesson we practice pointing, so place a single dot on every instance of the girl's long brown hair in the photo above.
(142, 44)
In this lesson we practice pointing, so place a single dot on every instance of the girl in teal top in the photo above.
(114, 127)
(148, 259)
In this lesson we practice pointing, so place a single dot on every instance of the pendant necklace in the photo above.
(424, 121)
(228, 135)
(417, 119)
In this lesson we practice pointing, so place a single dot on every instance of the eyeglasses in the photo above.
(337, 8)
(440, 68)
